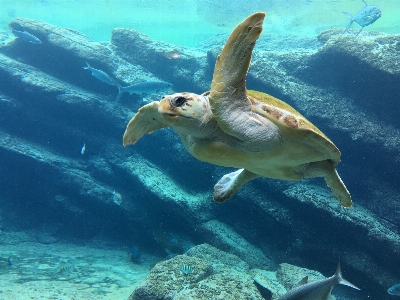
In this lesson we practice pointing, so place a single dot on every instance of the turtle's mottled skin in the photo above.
(234, 127)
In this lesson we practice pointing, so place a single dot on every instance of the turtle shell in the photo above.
(294, 127)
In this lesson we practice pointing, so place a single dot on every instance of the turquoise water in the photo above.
(189, 22)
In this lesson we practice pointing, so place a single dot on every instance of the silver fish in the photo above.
(26, 36)
(83, 149)
(117, 198)
(365, 16)
(101, 75)
(394, 290)
(316, 290)
(145, 87)
(60, 198)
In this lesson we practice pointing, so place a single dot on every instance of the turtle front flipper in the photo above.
(230, 183)
(229, 103)
(146, 120)
(229, 79)
(232, 64)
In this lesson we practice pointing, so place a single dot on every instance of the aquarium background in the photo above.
(81, 216)
(190, 22)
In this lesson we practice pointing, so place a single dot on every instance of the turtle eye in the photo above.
(178, 101)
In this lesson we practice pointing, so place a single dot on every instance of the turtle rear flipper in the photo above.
(338, 188)
(327, 170)
(230, 183)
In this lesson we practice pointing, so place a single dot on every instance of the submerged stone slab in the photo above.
(70, 171)
(64, 51)
(369, 231)
(219, 258)
(181, 66)
(269, 281)
(289, 275)
(376, 49)
(195, 208)
(223, 236)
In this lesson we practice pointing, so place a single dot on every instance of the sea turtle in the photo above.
(234, 127)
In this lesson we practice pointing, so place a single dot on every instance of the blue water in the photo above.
(154, 199)
(190, 22)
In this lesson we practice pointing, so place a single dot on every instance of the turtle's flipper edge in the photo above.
(338, 188)
(230, 183)
(146, 120)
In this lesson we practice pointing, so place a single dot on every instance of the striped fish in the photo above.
(186, 270)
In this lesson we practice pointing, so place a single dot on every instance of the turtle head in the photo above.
(187, 113)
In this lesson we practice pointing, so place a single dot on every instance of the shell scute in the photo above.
(292, 125)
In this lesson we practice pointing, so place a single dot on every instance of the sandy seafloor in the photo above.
(68, 271)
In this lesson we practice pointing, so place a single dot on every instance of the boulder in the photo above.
(207, 279)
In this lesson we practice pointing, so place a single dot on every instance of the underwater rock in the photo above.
(68, 39)
(166, 280)
(204, 282)
(184, 67)
(172, 242)
(375, 50)
(46, 239)
(368, 61)
(197, 208)
(373, 234)
(268, 280)
(67, 171)
(289, 275)
(15, 237)
(64, 52)
(224, 237)
(219, 258)
(54, 94)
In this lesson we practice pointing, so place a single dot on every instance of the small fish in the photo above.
(145, 87)
(316, 290)
(117, 198)
(60, 198)
(173, 54)
(101, 75)
(365, 16)
(186, 270)
(83, 149)
(394, 290)
(134, 254)
(9, 261)
(66, 269)
(26, 36)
